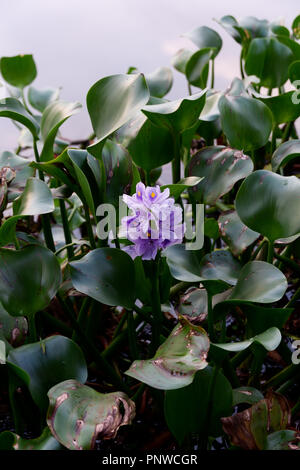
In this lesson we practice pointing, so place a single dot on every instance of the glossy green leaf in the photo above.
(283, 107)
(36, 199)
(178, 115)
(211, 111)
(268, 203)
(46, 363)
(30, 278)
(236, 234)
(178, 188)
(205, 37)
(294, 71)
(259, 282)
(269, 60)
(118, 170)
(12, 329)
(40, 99)
(246, 122)
(159, 81)
(296, 27)
(293, 45)
(285, 153)
(78, 414)
(211, 228)
(112, 101)
(221, 168)
(55, 114)
(269, 339)
(106, 275)
(13, 109)
(181, 58)
(186, 409)
(185, 265)
(176, 361)
(197, 67)
(19, 71)
(231, 25)
(151, 147)
(12, 441)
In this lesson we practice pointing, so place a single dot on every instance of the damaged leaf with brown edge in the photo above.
(77, 414)
(249, 428)
(236, 234)
(222, 167)
(176, 361)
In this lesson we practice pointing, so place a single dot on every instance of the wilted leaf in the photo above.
(78, 414)
(176, 361)
(248, 429)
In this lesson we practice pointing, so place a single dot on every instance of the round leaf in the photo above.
(247, 122)
(205, 37)
(39, 99)
(30, 278)
(106, 275)
(160, 81)
(269, 60)
(197, 67)
(55, 114)
(46, 363)
(13, 109)
(269, 203)
(178, 115)
(259, 282)
(181, 58)
(113, 100)
(186, 409)
(18, 71)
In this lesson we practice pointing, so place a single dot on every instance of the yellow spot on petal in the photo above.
(152, 194)
(149, 234)
(139, 193)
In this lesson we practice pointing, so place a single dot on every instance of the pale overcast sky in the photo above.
(77, 42)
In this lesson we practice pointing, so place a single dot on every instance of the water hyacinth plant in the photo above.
(141, 315)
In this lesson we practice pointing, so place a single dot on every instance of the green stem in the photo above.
(296, 408)
(189, 88)
(89, 226)
(45, 218)
(66, 228)
(32, 328)
(209, 407)
(241, 65)
(99, 359)
(178, 287)
(284, 375)
(210, 318)
(294, 299)
(156, 306)
(273, 141)
(270, 252)
(212, 73)
(288, 262)
(24, 102)
(176, 160)
(133, 346)
(287, 131)
(258, 249)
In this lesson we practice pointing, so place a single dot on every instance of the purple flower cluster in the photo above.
(154, 223)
